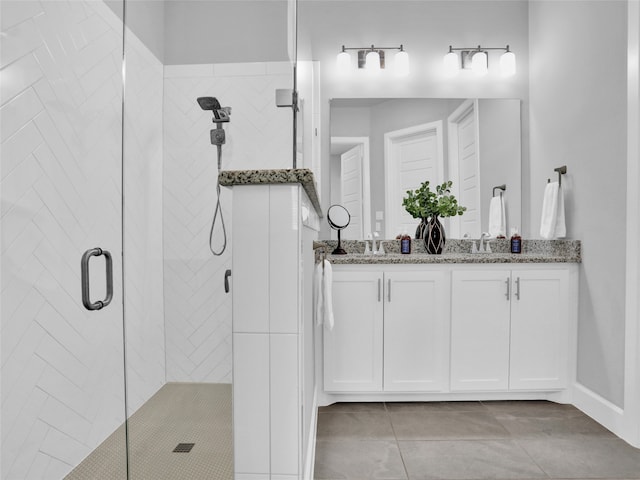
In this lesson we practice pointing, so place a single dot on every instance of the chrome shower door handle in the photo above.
(84, 269)
(227, 274)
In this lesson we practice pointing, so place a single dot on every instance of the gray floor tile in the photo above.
(584, 457)
(446, 426)
(532, 408)
(358, 460)
(560, 427)
(353, 407)
(436, 407)
(486, 459)
(354, 426)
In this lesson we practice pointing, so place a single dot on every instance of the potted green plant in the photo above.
(428, 206)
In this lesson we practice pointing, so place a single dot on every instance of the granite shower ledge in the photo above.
(303, 176)
(456, 251)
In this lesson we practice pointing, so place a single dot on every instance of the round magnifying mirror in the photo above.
(338, 218)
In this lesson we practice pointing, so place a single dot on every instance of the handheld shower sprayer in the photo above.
(218, 138)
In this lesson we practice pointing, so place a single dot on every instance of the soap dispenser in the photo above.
(405, 243)
(516, 241)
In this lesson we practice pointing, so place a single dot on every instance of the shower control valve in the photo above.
(217, 136)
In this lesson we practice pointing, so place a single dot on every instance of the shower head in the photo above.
(209, 103)
(220, 114)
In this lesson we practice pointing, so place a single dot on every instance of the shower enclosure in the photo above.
(105, 147)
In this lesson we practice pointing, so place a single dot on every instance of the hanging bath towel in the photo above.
(323, 280)
(497, 218)
(317, 293)
(327, 286)
(552, 212)
(561, 227)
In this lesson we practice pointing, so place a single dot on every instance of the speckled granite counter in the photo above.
(302, 176)
(456, 251)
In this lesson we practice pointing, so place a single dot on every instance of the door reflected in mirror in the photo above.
(382, 147)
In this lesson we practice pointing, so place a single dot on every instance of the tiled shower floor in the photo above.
(467, 440)
(178, 413)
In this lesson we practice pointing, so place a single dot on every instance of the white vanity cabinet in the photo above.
(510, 329)
(390, 332)
(353, 348)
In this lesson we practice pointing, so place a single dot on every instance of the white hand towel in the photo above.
(497, 218)
(561, 228)
(327, 285)
(549, 211)
(317, 293)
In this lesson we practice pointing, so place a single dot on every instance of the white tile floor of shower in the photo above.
(198, 413)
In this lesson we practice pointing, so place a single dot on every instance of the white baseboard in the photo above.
(600, 409)
(310, 457)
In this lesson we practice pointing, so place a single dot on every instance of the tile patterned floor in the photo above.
(467, 441)
(198, 413)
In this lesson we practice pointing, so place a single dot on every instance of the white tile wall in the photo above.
(62, 366)
(144, 307)
(197, 311)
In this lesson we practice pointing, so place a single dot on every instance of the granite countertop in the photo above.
(456, 251)
(303, 176)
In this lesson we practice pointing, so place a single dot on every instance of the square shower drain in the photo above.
(183, 447)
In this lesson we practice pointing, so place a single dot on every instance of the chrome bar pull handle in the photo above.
(508, 282)
(84, 270)
(379, 288)
(389, 290)
(518, 288)
(227, 274)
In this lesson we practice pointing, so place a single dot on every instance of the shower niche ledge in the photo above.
(302, 176)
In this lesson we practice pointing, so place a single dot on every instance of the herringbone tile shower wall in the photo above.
(144, 305)
(197, 311)
(61, 107)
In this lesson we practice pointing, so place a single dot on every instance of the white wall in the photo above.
(146, 19)
(62, 366)
(144, 306)
(578, 118)
(221, 31)
(197, 311)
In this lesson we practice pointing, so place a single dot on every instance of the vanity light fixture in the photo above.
(372, 59)
(477, 60)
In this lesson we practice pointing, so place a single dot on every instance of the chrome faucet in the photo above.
(481, 249)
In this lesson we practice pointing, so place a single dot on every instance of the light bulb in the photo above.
(508, 64)
(451, 64)
(479, 63)
(401, 63)
(372, 63)
(343, 62)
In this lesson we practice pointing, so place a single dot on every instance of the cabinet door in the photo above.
(539, 329)
(416, 337)
(353, 348)
(480, 330)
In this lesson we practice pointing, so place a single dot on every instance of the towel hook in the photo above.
(502, 188)
(561, 171)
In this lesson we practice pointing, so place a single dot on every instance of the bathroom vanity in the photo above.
(455, 326)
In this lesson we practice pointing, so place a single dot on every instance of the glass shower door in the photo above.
(61, 139)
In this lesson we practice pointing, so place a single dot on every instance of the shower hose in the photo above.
(218, 211)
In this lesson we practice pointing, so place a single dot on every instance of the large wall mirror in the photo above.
(382, 147)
